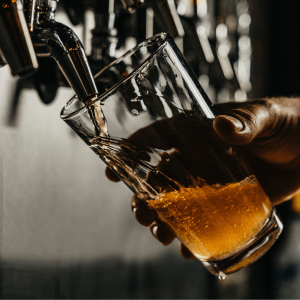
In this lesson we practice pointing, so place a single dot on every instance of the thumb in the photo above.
(240, 126)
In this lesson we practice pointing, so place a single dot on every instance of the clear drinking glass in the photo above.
(152, 125)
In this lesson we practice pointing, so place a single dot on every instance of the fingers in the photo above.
(162, 232)
(240, 126)
(148, 217)
(142, 212)
(111, 175)
(185, 252)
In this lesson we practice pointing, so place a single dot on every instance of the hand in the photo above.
(268, 132)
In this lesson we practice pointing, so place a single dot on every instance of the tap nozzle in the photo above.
(15, 42)
(58, 41)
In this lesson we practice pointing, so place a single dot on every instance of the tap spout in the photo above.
(58, 41)
(15, 43)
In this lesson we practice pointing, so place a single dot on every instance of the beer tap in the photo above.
(56, 40)
(165, 11)
(15, 42)
(104, 35)
(104, 39)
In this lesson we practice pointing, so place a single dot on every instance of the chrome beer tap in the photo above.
(56, 40)
(165, 11)
(15, 42)
(104, 40)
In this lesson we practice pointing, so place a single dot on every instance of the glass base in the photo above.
(249, 254)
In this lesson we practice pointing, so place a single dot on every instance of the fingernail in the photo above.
(236, 122)
(134, 209)
(154, 230)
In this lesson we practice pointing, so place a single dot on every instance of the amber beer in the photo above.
(214, 221)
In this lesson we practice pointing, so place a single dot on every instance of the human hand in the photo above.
(268, 132)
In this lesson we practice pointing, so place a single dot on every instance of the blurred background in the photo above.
(66, 230)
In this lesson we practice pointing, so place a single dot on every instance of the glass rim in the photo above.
(164, 36)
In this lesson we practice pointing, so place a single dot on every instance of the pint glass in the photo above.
(152, 125)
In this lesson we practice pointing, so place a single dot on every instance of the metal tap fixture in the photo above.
(56, 40)
(104, 40)
(166, 12)
(15, 43)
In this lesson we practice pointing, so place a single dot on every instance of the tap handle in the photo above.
(15, 41)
